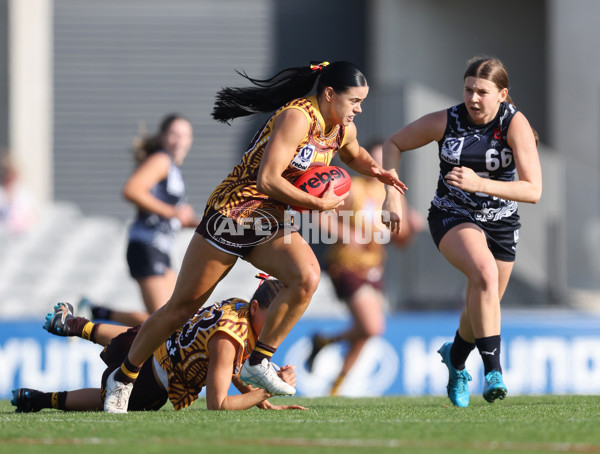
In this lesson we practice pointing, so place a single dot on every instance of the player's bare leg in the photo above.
(202, 269)
(27, 400)
(289, 258)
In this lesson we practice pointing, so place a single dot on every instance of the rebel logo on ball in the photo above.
(316, 179)
(322, 178)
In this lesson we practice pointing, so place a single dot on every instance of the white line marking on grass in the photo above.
(482, 446)
(325, 442)
(62, 441)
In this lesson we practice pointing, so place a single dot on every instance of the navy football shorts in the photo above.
(502, 236)
(145, 260)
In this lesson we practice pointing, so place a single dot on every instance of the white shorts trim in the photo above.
(161, 374)
(216, 245)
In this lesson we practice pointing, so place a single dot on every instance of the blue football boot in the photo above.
(22, 398)
(494, 387)
(56, 322)
(458, 387)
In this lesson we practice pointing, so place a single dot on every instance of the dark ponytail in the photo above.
(267, 291)
(341, 76)
(268, 95)
(147, 144)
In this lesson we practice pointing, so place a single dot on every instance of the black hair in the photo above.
(268, 95)
(266, 292)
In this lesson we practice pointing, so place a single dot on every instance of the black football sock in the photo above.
(58, 400)
(460, 351)
(44, 400)
(128, 373)
(41, 400)
(260, 352)
(489, 349)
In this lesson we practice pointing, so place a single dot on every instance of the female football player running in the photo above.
(303, 132)
(484, 143)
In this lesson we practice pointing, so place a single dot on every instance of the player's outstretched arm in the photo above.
(222, 352)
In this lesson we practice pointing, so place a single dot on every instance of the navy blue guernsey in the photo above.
(155, 230)
(484, 149)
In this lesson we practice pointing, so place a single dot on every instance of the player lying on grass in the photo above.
(207, 351)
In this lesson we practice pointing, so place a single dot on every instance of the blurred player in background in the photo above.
(157, 190)
(19, 209)
(356, 266)
(488, 163)
(302, 132)
(208, 351)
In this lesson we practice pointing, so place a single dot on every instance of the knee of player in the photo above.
(179, 312)
(310, 279)
(484, 276)
(377, 330)
(306, 280)
(373, 329)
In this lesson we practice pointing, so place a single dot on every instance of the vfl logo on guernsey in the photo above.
(451, 149)
(304, 157)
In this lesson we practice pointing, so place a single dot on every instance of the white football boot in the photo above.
(264, 375)
(117, 395)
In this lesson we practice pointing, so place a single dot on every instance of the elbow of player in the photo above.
(264, 185)
(217, 406)
(536, 195)
(127, 193)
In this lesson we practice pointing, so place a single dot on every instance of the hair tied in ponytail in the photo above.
(263, 277)
(320, 66)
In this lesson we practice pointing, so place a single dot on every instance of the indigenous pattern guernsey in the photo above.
(185, 354)
(484, 149)
(237, 196)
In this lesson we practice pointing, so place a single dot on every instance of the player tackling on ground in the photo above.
(207, 352)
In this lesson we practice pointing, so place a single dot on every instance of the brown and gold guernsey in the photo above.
(185, 354)
(367, 197)
(237, 196)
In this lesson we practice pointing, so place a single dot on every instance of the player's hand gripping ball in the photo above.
(315, 180)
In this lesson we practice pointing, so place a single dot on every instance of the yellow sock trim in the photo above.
(132, 375)
(55, 400)
(267, 353)
(87, 331)
(335, 388)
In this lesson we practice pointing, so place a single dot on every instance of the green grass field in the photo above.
(522, 424)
